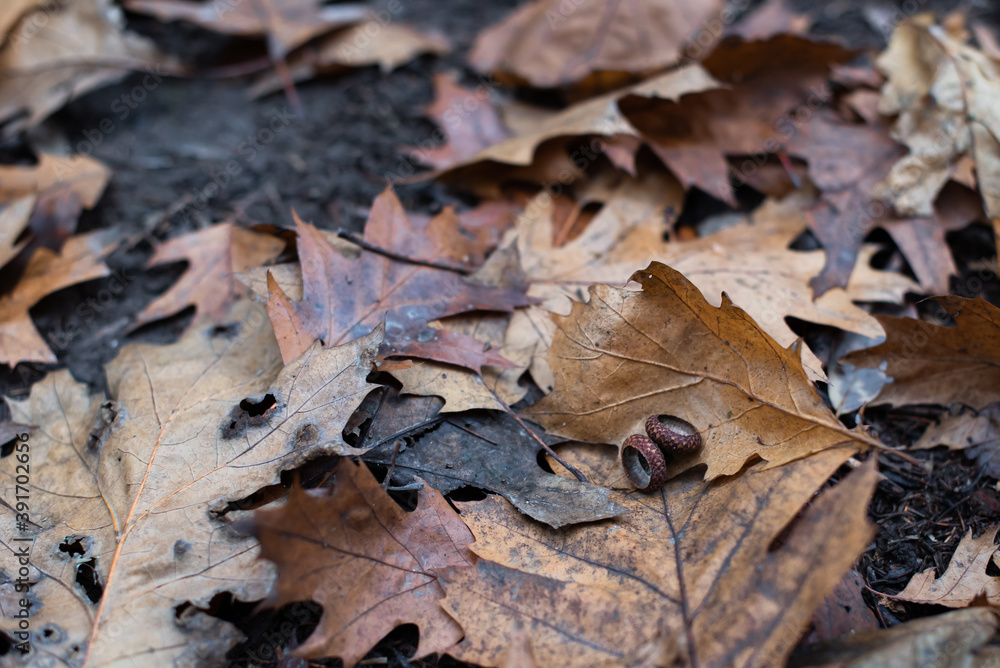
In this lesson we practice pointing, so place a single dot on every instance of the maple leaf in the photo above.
(937, 364)
(368, 562)
(138, 493)
(665, 350)
(964, 581)
(79, 260)
(690, 563)
(548, 43)
(490, 451)
(213, 256)
(73, 49)
(345, 298)
(287, 24)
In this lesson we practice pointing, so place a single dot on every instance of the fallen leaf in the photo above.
(286, 24)
(977, 433)
(388, 45)
(485, 450)
(12, 11)
(774, 17)
(80, 259)
(963, 581)
(14, 217)
(467, 120)
(956, 638)
(629, 354)
(213, 256)
(73, 48)
(367, 561)
(843, 611)
(82, 175)
(140, 491)
(552, 43)
(937, 364)
(406, 295)
(691, 562)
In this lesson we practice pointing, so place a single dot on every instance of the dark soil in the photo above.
(329, 165)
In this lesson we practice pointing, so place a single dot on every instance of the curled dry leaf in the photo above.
(629, 354)
(80, 259)
(213, 256)
(937, 364)
(137, 493)
(693, 567)
(368, 562)
(344, 298)
(965, 579)
(552, 43)
(73, 48)
(956, 638)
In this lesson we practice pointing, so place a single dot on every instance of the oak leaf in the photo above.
(79, 174)
(137, 494)
(550, 43)
(344, 298)
(213, 256)
(80, 259)
(936, 364)
(975, 432)
(286, 24)
(629, 354)
(965, 579)
(694, 563)
(368, 562)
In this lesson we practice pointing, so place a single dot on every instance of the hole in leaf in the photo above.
(75, 546)
(258, 408)
(88, 577)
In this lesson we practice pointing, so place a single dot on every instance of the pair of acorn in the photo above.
(644, 458)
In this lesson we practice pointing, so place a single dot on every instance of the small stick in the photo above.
(358, 241)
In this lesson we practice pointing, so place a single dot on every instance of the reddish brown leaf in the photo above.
(213, 256)
(343, 298)
(366, 561)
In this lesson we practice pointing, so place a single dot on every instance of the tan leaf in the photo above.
(14, 217)
(976, 432)
(367, 561)
(551, 43)
(690, 564)
(79, 174)
(213, 255)
(963, 581)
(956, 638)
(665, 350)
(936, 364)
(287, 24)
(140, 486)
(66, 50)
(80, 259)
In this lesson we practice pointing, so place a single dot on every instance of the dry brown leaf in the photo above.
(388, 45)
(80, 259)
(552, 43)
(79, 174)
(964, 580)
(598, 116)
(691, 563)
(774, 17)
(665, 350)
(344, 298)
(65, 50)
(937, 364)
(960, 638)
(367, 561)
(945, 94)
(750, 262)
(976, 432)
(213, 255)
(138, 487)
(12, 11)
(287, 24)
(843, 611)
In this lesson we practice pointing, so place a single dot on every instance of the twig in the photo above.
(358, 241)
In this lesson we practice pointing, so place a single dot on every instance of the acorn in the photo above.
(644, 458)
